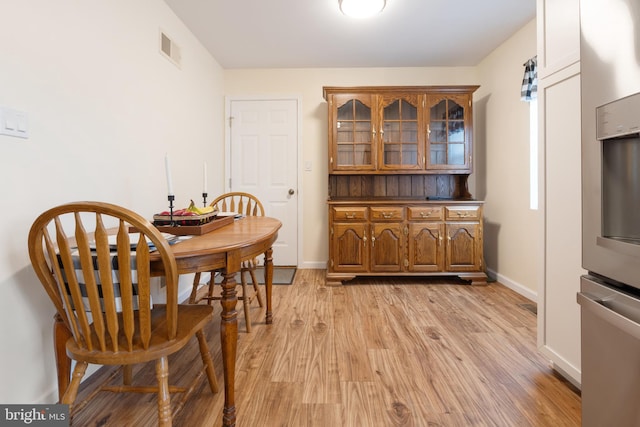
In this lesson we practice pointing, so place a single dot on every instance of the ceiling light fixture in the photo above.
(361, 8)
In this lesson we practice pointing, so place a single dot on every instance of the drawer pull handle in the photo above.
(351, 215)
(424, 214)
(462, 214)
(387, 215)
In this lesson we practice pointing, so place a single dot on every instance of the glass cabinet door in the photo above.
(399, 136)
(447, 136)
(353, 133)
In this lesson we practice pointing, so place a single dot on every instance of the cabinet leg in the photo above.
(337, 279)
(476, 279)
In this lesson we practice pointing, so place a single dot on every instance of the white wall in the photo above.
(512, 231)
(308, 84)
(103, 106)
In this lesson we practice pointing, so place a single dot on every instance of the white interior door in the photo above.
(263, 160)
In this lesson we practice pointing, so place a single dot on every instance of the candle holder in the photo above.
(204, 199)
(171, 198)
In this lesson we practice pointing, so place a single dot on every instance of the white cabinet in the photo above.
(558, 312)
(559, 138)
(558, 24)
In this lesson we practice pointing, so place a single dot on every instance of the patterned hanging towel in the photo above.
(529, 89)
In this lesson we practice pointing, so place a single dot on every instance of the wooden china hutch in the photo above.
(399, 204)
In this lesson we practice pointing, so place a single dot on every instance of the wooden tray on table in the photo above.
(191, 225)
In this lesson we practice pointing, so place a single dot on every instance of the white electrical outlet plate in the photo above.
(14, 123)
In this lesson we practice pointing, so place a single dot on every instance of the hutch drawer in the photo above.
(462, 213)
(425, 213)
(387, 213)
(349, 213)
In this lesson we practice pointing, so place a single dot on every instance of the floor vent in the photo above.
(169, 49)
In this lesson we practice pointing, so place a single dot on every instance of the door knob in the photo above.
(291, 191)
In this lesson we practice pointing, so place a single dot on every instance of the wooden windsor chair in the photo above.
(100, 287)
(247, 205)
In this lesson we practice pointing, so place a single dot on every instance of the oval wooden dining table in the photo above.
(222, 249)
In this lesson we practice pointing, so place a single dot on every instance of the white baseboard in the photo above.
(514, 286)
(570, 372)
(314, 265)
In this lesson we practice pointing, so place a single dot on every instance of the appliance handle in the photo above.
(616, 319)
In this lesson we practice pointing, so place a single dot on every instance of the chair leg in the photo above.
(212, 282)
(70, 394)
(164, 403)
(207, 361)
(246, 301)
(194, 289)
(61, 334)
(256, 288)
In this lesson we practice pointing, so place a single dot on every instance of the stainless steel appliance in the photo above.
(610, 355)
(610, 293)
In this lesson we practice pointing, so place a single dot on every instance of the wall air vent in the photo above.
(169, 49)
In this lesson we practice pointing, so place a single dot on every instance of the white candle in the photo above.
(167, 167)
(204, 177)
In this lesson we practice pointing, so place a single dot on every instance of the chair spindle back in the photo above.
(101, 289)
(239, 202)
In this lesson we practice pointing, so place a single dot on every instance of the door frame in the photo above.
(299, 174)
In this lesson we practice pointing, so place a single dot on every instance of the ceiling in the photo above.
(314, 34)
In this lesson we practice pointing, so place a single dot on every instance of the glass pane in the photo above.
(362, 111)
(345, 131)
(345, 155)
(362, 132)
(438, 132)
(439, 111)
(354, 137)
(409, 154)
(391, 132)
(456, 154)
(362, 154)
(363, 127)
(456, 131)
(392, 154)
(438, 154)
(392, 111)
(409, 112)
(456, 111)
(345, 112)
(409, 131)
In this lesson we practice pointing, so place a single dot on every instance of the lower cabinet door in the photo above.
(349, 247)
(386, 247)
(425, 247)
(463, 247)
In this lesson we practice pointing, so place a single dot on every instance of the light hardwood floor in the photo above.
(374, 352)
